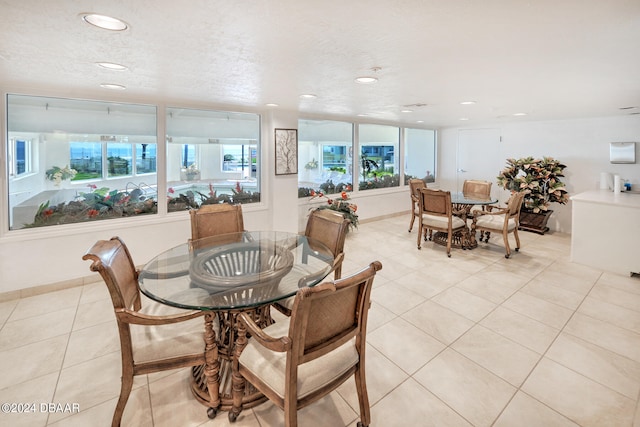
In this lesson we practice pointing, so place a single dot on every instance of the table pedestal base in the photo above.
(251, 398)
(217, 371)
(458, 240)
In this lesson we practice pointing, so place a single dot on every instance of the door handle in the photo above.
(461, 170)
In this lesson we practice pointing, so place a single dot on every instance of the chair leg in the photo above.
(413, 218)
(125, 391)
(363, 397)
(505, 237)
(420, 230)
(237, 380)
(515, 233)
(291, 411)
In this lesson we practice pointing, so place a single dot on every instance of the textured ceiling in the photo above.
(550, 59)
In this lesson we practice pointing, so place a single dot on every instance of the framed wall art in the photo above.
(286, 143)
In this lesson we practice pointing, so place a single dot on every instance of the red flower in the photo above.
(171, 190)
(92, 186)
(354, 207)
(92, 213)
(329, 201)
(47, 213)
(344, 195)
(313, 192)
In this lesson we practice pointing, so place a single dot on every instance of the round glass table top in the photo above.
(471, 199)
(235, 271)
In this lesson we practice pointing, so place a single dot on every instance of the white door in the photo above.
(478, 157)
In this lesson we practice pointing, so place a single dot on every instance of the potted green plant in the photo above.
(540, 180)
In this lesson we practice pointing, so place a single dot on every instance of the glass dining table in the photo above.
(223, 276)
(462, 204)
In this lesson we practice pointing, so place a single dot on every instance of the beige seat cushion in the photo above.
(495, 222)
(269, 365)
(441, 222)
(164, 341)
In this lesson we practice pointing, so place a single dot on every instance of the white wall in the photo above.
(582, 145)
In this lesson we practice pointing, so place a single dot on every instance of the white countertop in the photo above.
(623, 199)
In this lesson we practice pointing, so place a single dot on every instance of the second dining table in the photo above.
(463, 203)
(227, 274)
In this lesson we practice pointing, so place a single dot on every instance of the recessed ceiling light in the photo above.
(366, 80)
(406, 111)
(105, 22)
(271, 104)
(467, 102)
(112, 86)
(464, 118)
(419, 121)
(519, 114)
(308, 96)
(111, 66)
(363, 115)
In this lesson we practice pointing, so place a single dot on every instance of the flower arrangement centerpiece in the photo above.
(339, 204)
(191, 172)
(539, 179)
(58, 174)
(313, 164)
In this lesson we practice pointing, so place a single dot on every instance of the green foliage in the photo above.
(95, 205)
(194, 199)
(539, 179)
(340, 204)
(383, 181)
(327, 187)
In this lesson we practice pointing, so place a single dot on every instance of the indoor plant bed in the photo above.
(540, 180)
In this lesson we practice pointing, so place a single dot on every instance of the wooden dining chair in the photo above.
(500, 220)
(330, 229)
(153, 337)
(436, 214)
(479, 188)
(212, 220)
(299, 360)
(415, 185)
(475, 186)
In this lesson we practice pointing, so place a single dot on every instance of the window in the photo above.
(419, 154)
(188, 155)
(86, 160)
(325, 160)
(146, 158)
(240, 157)
(86, 172)
(20, 157)
(212, 157)
(377, 161)
(119, 159)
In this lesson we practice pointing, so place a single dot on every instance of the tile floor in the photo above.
(474, 339)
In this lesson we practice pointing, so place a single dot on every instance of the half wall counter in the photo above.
(606, 230)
